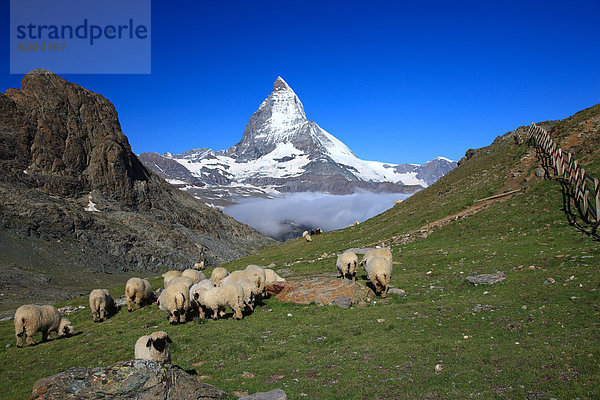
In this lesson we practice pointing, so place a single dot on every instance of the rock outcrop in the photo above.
(139, 379)
(321, 291)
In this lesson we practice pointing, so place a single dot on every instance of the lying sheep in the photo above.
(31, 319)
(347, 265)
(272, 277)
(101, 304)
(139, 292)
(170, 275)
(184, 280)
(379, 272)
(205, 284)
(175, 301)
(194, 275)
(218, 274)
(153, 347)
(383, 252)
(199, 266)
(216, 299)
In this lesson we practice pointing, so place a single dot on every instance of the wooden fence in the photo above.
(584, 189)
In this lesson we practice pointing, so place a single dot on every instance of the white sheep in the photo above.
(218, 274)
(304, 233)
(308, 238)
(194, 275)
(346, 265)
(216, 299)
(153, 347)
(251, 292)
(383, 252)
(169, 275)
(199, 266)
(101, 304)
(175, 301)
(31, 319)
(204, 284)
(272, 277)
(139, 292)
(379, 272)
(184, 280)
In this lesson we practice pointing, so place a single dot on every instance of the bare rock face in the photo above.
(69, 179)
(321, 291)
(139, 380)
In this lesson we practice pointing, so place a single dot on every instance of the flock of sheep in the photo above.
(189, 294)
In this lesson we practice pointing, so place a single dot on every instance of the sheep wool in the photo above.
(379, 272)
(170, 275)
(346, 265)
(184, 280)
(194, 275)
(383, 252)
(153, 347)
(272, 277)
(205, 284)
(101, 304)
(218, 274)
(175, 301)
(139, 292)
(31, 319)
(308, 238)
(216, 299)
(199, 266)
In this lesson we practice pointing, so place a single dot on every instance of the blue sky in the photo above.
(396, 81)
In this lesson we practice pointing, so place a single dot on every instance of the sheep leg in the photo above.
(129, 309)
(237, 312)
(29, 338)
(101, 314)
(215, 312)
(45, 335)
(19, 339)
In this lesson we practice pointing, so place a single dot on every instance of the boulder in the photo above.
(276, 394)
(134, 379)
(320, 290)
(486, 279)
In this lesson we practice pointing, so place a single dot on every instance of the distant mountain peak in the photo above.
(280, 84)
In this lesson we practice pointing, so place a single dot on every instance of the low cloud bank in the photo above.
(272, 217)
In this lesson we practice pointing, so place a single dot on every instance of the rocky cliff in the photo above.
(69, 180)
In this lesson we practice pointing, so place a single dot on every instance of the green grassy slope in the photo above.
(541, 337)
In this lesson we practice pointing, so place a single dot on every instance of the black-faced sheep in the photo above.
(205, 284)
(101, 304)
(218, 274)
(383, 252)
(153, 347)
(169, 275)
(347, 265)
(175, 301)
(31, 319)
(379, 272)
(216, 299)
(194, 275)
(139, 292)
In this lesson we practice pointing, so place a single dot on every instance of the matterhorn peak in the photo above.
(280, 84)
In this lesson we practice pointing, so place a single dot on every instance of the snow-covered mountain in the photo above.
(282, 151)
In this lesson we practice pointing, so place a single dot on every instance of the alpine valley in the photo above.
(281, 151)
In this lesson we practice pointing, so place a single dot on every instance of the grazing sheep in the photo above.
(169, 275)
(199, 266)
(356, 223)
(383, 252)
(318, 231)
(175, 301)
(304, 233)
(272, 277)
(379, 272)
(31, 319)
(185, 280)
(139, 292)
(153, 347)
(194, 275)
(205, 284)
(258, 275)
(398, 202)
(308, 238)
(346, 265)
(250, 291)
(216, 299)
(101, 304)
(218, 274)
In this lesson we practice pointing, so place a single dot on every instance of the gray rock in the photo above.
(134, 379)
(540, 172)
(283, 272)
(276, 394)
(485, 307)
(397, 291)
(486, 279)
(342, 302)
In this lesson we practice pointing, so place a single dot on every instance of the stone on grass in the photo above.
(342, 302)
(276, 394)
(134, 379)
(319, 290)
(486, 279)
(396, 291)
